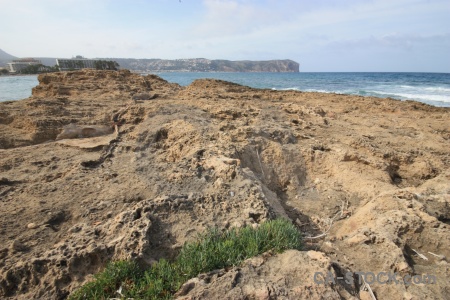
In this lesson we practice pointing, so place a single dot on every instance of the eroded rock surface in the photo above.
(366, 181)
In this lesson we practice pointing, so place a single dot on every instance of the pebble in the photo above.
(32, 226)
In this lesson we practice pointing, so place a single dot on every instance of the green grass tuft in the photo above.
(213, 250)
(116, 274)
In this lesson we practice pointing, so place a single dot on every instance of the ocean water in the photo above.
(430, 88)
(16, 87)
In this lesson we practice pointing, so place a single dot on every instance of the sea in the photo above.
(430, 88)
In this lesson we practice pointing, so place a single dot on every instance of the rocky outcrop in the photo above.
(73, 131)
(86, 97)
(364, 179)
(285, 276)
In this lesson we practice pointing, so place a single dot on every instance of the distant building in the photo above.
(77, 63)
(17, 65)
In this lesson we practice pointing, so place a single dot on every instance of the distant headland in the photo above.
(207, 65)
(175, 65)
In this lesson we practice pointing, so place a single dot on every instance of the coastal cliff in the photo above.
(207, 65)
(185, 65)
(107, 165)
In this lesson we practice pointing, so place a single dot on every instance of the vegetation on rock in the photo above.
(106, 65)
(38, 68)
(213, 250)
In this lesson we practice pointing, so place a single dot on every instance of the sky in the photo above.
(321, 35)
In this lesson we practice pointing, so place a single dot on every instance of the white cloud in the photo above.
(393, 41)
(230, 29)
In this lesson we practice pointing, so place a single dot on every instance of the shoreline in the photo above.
(18, 75)
(436, 93)
(444, 105)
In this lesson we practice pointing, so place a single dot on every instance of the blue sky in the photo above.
(322, 35)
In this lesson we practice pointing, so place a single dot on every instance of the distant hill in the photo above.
(5, 58)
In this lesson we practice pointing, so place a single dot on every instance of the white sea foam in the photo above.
(428, 97)
(438, 89)
(399, 92)
(320, 91)
(287, 89)
(406, 87)
(413, 96)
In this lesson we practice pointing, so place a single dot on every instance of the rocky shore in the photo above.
(105, 165)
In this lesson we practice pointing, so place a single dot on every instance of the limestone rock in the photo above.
(169, 170)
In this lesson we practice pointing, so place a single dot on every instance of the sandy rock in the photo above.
(144, 96)
(244, 282)
(320, 257)
(365, 295)
(369, 176)
(73, 131)
(357, 239)
(18, 246)
(218, 183)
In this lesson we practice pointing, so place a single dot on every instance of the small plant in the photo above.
(212, 250)
(216, 250)
(119, 275)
